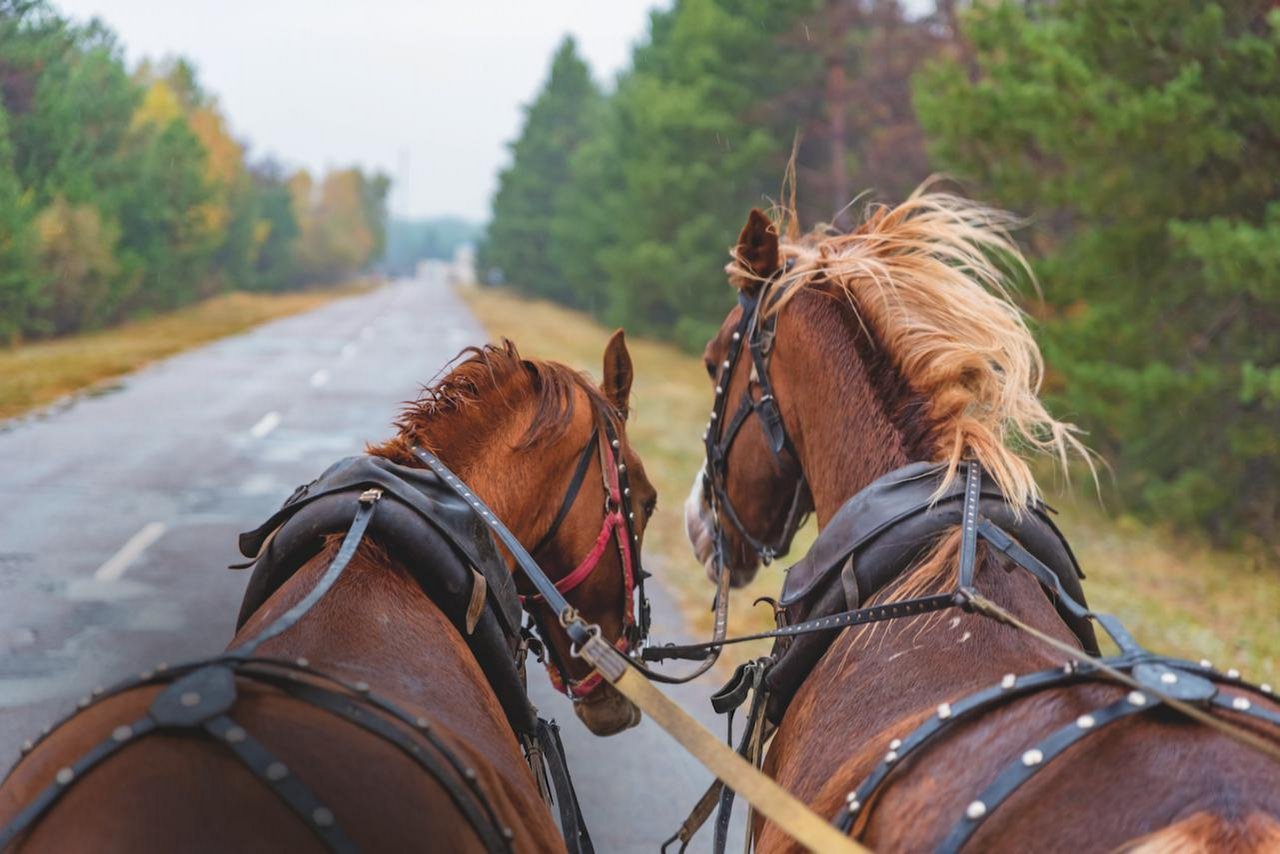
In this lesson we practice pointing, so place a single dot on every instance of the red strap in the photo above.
(614, 525)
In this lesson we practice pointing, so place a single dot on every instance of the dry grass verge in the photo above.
(1177, 595)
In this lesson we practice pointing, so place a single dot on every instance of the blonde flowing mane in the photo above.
(933, 278)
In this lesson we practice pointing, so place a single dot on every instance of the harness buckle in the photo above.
(569, 616)
(370, 495)
(593, 632)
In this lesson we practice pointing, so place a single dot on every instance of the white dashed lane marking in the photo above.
(265, 425)
(129, 552)
(348, 351)
(319, 378)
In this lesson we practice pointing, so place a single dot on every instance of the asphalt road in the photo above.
(121, 509)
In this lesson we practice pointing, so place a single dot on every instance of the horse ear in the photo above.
(618, 373)
(757, 251)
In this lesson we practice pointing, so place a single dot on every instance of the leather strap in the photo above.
(65, 777)
(461, 787)
(573, 626)
(857, 617)
(351, 542)
(572, 825)
(750, 748)
(273, 773)
(969, 525)
(942, 721)
(765, 795)
(1029, 764)
(571, 494)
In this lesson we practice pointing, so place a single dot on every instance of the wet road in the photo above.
(121, 511)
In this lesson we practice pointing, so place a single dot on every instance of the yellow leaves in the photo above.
(160, 106)
(76, 253)
(261, 233)
(72, 240)
(224, 161)
(211, 217)
(224, 157)
(334, 234)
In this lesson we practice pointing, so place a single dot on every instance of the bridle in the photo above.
(618, 525)
(756, 328)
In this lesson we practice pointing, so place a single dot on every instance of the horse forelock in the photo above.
(933, 278)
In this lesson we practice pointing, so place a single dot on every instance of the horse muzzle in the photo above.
(700, 526)
(606, 712)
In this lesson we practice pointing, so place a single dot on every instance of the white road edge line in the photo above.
(130, 551)
(265, 425)
(319, 378)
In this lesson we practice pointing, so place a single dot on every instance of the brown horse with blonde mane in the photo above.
(894, 344)
(512, 429)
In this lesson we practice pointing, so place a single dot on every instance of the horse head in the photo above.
(547, 450)
(851, 354)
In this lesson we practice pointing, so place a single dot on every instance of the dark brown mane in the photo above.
(491, 376)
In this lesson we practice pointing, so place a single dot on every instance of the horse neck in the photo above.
(852, 416)
(879, 425)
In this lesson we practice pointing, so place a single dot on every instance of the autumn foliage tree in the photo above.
(124, 192)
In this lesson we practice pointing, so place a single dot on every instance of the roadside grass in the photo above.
(1175, 593)
(39, 373)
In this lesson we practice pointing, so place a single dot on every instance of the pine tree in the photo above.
(531, 188)
(701, 128)
(1144, 135)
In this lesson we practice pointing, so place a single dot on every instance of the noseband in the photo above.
(756, 328)
(618, 524)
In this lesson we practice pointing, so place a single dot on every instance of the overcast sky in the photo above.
(428, 91)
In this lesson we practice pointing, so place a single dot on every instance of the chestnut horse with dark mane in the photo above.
(898, 343)
(512, 429)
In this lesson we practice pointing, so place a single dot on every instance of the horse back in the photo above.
(182, 790)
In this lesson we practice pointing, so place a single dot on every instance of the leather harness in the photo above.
(880, 532)
(875, 536)
(432, 524)
(756, 329)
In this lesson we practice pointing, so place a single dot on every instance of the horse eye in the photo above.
(711, 368)
(649, 507)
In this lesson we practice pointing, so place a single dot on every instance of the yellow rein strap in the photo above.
(757, 789)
